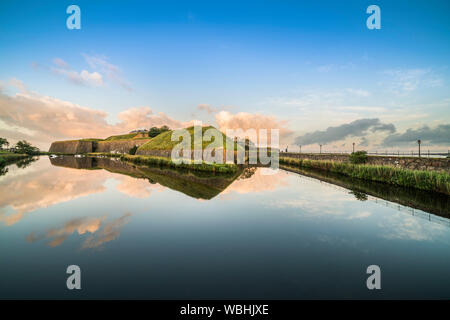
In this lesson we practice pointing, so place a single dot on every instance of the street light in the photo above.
(353, 147)
(419, 142)
(320, 148)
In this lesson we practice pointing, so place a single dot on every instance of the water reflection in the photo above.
(99, 230)
(163, 234)
(26, 190)
(252, 180)
(436, 203)
(22, 164)
(198, 185)
(3, 171)
(39, 187)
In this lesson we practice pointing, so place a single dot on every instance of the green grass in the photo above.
(86, 139)
(9, 157)
(91, 139)
(420, 179)
(166, 162)
(106, 154)
(163, 141)
(58, 153)
(128, 136)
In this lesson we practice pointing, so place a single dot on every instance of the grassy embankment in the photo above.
(164, 141)
(104, 154)
(128, 136)
(10, 157)
(167, 162)
(420, 179)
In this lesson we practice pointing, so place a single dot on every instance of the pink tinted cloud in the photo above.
(43, 119)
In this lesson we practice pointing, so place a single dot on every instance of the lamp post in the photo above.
(353, 147)
(320, 148)
(419, 142)
(300, 148)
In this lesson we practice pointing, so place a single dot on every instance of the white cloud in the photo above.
(333, 67)
(244, 120)
(112, 72)
(368, 109)
(93, 78)
(325, 68)
(16, 83)
(358, 92)
(61, 63)
(42, 119)
(408, 80)
(207, 108)
(102, 70)
(84, 77)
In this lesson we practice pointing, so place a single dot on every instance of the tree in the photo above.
(133, 150)
(154, 131)
(358, 157)
(3, 142)
(26, 147)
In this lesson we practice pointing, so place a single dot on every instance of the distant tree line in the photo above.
(22, 146)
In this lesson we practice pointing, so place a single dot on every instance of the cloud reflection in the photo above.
(85, 225)
(108, 233)
(253, 181)
(40, 186)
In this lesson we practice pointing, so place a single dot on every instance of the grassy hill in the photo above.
(120, 137)
(128, 136)
(163, 141)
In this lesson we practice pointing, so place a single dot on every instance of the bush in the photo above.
(133, 150)
(25, 147)
(358, 157)
(3, 142)
(154, 131)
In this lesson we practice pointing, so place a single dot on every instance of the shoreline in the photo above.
(420, 179)
(7, 158)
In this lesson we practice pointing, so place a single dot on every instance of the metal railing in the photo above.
(425, 154)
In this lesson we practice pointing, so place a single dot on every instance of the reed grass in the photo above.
(166, 162)
(420, 179)
(7, 158)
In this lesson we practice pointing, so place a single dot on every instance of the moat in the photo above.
(151, 232)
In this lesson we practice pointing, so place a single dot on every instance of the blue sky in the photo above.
(307, 65)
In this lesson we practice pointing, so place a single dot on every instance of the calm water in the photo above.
(141, 233)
